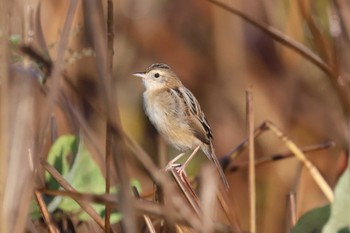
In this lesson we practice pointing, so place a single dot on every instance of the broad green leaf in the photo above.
(344, 230)
(339, 220)
(74, 162)
(312, 221)
(61, 156)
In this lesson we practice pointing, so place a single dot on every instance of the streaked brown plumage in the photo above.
(176, 113)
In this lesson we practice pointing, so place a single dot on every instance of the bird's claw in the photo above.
(170, 166)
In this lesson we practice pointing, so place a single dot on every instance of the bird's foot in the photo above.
(170, 166)
(181, 170)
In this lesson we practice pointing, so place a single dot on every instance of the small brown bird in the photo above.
(176, 114)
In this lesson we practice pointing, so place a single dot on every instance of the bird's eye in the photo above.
(156, 75)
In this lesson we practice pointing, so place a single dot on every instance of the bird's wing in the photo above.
(197, 118)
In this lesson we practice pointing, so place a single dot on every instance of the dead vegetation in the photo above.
(74, 135)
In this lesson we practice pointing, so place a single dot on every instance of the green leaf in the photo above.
(61, 156)
(312, 221)
(15, 39)
(344, 230)
(71, 158)
(340, 210)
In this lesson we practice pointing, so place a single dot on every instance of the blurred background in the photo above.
(218, 56)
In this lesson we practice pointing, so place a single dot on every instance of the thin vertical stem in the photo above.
(44, 211)
(250, 128)
(291, 199)
(4, 19)
(109, 135)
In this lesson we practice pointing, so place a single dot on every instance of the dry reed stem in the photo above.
(331, 71)
(187, 190)
(315, 174)
(292, 207)
(4, 143)
(56, 71)
(85, 206)
(208, 190)
(251, 149)
(276, 157)
(232, 218)
(109, 139)
(147, 219)
(142, 207)
(320, 41)
(96, 28)
(44, 211)
(169, 189)
(232, 155)
(281, 38)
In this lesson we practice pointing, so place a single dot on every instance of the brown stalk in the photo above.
(302, 50)
(292, 207)
(276, 157)
(298, 153)
(315, 174)
(320, 40)
(175, 200)
(232, 155)
(95, 25)
(208, 192)
(142, 207)
(281, 38)
(251, 150)
(109, 139)
(147, 219)
(4, 87)
(187, 190)
(233, 218)
(44, 211)
(56, 71)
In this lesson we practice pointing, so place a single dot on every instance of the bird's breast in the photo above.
(166, 112)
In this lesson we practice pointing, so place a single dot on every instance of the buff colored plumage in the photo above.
(176, 114)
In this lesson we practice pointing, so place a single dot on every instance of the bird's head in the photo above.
(158, 76)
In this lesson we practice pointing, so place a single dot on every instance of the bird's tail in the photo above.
(211, 154)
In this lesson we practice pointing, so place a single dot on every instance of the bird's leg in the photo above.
(182, 168)
(171, 163)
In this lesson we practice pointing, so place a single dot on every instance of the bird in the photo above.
(176, 114)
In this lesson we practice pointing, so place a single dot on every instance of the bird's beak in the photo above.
(139, 74)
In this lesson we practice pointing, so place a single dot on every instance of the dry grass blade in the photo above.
(276, 157)
(109, 139)
(56, 71)
(186, 188)
(96, 28)
(44, 211)
(319, 39)
(168, 187)
(84, 205)
(282, 38)
(4, 19)
(315, 174)
(40, 38)
(209, 188)
(252, 188)
(305, 52)
(292, 207)
(145, 217)
(232, 155)
(232, 217)
(180, 209)
(142, 207)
